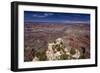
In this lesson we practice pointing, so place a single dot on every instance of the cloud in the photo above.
(69, 21)
(42, 15)
(48, 14)
(36, 15)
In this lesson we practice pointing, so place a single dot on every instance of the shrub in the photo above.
(82, 57)
(72, 51)
(41, 56)
(64, 57)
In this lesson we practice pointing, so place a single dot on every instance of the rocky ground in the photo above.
(45, 41)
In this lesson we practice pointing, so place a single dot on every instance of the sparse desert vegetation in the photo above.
(56, 41)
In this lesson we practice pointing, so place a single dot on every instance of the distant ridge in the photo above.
(54, 23)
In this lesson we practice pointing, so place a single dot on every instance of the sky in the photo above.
(34, 16)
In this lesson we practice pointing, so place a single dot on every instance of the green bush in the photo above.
(82, 57)
(72, 51)
(41, 56)
(64, 57)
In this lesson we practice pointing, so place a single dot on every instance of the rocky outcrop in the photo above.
(57, 51)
